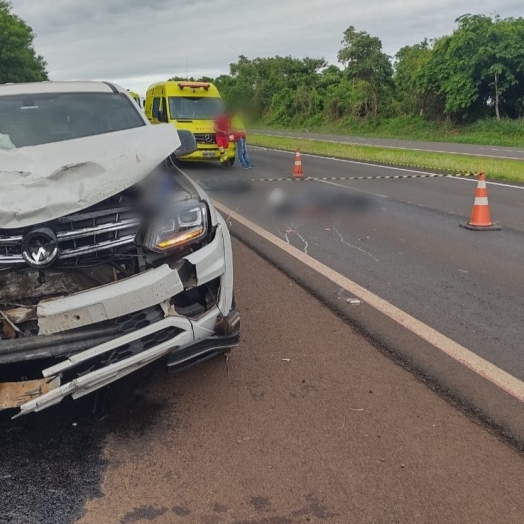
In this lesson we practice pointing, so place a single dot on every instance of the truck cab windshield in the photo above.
(31, 120)
(194, 107)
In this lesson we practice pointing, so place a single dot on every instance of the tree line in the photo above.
(474, 73)
(19, 61)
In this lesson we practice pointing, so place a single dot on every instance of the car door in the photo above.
(154, 109)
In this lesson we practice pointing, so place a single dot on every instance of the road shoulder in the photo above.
(460, 386)
(309, 424)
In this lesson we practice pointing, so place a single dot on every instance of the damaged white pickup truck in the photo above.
(110, 258)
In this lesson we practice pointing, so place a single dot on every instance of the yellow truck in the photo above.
(136, 97)
(190, 106)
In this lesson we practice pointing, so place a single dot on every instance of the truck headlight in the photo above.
(185, 224)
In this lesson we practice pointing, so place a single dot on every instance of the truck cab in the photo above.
(191, 106)
(135, 97)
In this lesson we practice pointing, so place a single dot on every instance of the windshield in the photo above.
(31, 120)
(195, 107)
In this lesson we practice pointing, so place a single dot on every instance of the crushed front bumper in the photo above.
(187, 340)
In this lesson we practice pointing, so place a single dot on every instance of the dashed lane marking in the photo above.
(378, 177)
(409, 169)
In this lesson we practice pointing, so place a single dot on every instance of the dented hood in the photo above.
(42, 183)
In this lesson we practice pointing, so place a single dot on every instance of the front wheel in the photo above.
(232, 161)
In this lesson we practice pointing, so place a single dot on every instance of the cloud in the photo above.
(137, 42)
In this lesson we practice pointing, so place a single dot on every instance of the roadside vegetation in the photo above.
(494, 168)
(503, 133)
(18, 59)
(464, 87)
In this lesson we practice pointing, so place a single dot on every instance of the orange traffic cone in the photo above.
(480, 214)
(297, 169)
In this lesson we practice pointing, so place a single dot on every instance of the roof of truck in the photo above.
(182, 87)
(60, 87)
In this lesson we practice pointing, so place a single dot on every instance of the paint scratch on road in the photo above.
(228, 219)
(291, 229)
(283, 235)
(335, 228)
(294, 229)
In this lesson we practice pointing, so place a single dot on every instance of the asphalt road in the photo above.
(401, 239)
(308, 423)
(443, 147)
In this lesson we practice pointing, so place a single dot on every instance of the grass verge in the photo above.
(500, 169)
(506, 133)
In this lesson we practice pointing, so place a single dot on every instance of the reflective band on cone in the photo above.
(481, 201)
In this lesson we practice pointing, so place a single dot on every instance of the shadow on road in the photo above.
(52, 462)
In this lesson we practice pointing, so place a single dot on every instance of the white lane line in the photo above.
(485, 369)
(491, 183)
(381, 167)
(393, 147)
(344, 160)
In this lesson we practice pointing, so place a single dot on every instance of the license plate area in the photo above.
(209, 154)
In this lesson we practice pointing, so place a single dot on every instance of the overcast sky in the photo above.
(137, 42)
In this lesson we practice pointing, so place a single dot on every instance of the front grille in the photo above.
(20, 351)
(140, 345)
(205, 138)
(101, 233)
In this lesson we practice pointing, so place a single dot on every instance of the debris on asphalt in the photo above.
(226, 183)
(354, 301)
(286, 359)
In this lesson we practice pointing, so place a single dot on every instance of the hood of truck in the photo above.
(42, 183)
(196, 126)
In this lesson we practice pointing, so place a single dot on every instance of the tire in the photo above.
(232, 161)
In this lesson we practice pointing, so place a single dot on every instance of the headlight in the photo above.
(185, 224)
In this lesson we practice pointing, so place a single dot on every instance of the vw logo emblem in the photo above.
(40, 247)
(208, 139)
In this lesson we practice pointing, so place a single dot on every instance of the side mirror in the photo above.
(188, 144)
(161, 116)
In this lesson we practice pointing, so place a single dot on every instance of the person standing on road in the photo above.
(240, 139)
(222, 126)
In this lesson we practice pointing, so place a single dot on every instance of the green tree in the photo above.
(473, 73)
(500, 61)
(410, 69)
(477, 67)
(18, 59)
(364, 60)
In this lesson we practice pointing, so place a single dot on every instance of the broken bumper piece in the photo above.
(14, 394)
(111, 356)
(182, 358)
(228, 336)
